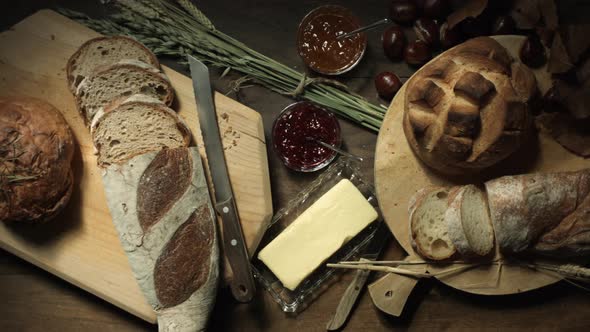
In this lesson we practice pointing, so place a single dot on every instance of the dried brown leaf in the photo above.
(576, 98)
(469, 9)
(546, 35)
(549, 13)
(559, 59)
(578, 103)
(526, 13)
(583, 71)
(576, 40)
(567, 132)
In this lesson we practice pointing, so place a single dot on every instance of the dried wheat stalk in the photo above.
(178, 28)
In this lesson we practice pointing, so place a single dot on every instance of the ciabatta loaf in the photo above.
(468, 222)
(123, 79)
(105, 51)
(160, 206)
(428, 232)
(136, 125)
(468, 109)
(525, 207)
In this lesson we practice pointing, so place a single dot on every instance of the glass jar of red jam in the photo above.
(294, 135)
(317, 44)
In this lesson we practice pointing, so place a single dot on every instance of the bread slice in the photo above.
(428, 231)
(135, 126)
(123, 79)
(105, 51)
(468, 222)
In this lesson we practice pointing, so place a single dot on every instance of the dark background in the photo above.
(34, 300)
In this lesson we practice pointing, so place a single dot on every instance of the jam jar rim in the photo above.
(324, 163)
(340, 9)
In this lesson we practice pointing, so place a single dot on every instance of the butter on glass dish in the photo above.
(332, 220)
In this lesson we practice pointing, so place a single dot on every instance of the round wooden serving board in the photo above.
(399, 174)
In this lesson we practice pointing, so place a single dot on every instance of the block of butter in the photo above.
(330, 222)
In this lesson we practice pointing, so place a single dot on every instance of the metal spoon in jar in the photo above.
(366, 27)
(335, 149)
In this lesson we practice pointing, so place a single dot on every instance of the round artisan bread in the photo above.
(468, 109)
(36, 151)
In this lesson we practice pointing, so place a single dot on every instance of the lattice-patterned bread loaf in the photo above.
(468, 109)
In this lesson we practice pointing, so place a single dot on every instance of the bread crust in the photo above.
(75, 57)
(525, 207)
(37, 135)
(176, 259)
(458, 112)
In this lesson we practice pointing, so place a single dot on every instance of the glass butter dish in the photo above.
(294, 301)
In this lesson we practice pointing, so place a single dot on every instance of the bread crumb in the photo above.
(224, 116)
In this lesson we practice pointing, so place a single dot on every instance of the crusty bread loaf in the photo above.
(468, 222)
(468, 110)
(134, 126)
(156, 190)
(525, 207)
(161, 208)
(571, 237)
(428, 232)
(125, 78)
(36, 151)
(105, 51)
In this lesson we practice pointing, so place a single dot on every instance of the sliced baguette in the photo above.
(105, 51)
(428, 231)
(468, 222)
(134, 126)
(126, 78)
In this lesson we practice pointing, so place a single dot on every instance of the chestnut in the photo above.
(394, 41)
(417, 53)
(403, 11)
(427, 31)
(436, 8)
(532, 52)
(449, 37)
(504, 25)
(387, 85)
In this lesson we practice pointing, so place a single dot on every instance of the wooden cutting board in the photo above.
(82, 246)
(399, 174)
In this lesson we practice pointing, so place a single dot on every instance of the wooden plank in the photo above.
(82, 246)
(399, 174)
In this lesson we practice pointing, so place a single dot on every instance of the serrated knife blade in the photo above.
(242, 283)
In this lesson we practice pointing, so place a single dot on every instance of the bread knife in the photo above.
(242, 284)
(352, 292)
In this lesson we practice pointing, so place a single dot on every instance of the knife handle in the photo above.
(242, 284)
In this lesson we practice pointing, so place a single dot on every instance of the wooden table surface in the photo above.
(34, 300)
